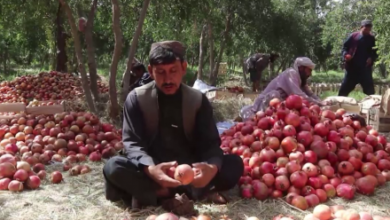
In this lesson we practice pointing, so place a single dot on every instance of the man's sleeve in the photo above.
(133, 132)
(346, 46)
(206, 135)
(262, 62)
(291, 86)
(310, 93)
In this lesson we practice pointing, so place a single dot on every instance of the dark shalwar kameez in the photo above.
(356, 70)
(124, 174)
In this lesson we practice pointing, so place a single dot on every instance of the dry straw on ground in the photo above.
(82, 198)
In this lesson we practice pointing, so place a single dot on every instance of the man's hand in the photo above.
(347, 57)
(204, 173)
(369, 62)
(159, 174)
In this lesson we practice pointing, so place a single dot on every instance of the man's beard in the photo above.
(303, 76)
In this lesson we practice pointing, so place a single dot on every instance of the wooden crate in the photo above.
(378, 120)
(351, 108)
(251, 95)
(220, 94)
(222, 70)
(46, 110)
(333, 107)
(12, 107)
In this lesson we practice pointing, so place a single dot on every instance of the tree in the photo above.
(133, 49)
(114, 107)
(61, 37)
(77, 45)
(201, 54)
(91, 51)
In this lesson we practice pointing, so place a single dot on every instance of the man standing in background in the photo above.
(256, 65)
(359, 56)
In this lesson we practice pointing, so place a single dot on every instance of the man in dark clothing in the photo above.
(359, 56)
(256, 64)
(167, 123)
(140, 76)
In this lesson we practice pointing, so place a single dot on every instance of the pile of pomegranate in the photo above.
(28, 143)
(296, 149)
(336, 212)
(43, 86)
(171, 216)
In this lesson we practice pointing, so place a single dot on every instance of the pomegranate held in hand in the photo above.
(184, 174)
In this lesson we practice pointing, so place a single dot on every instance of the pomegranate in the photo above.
(293, 166)
(294, 102)
(320, 149)
(33, 182)
(20, 175)
(289, 145)
(345, 191)
(330, 190)
(282, 183)
(7, 170)
(366, 185)
(298, 179)
(328, 171)
(268, 179)
(184, 174)
(56, 177)
(334, 137)
(310, 157)
(322, 212)
(310, 169)
(246, 191)
(312, 200)
(267, 154)
(167, 216)
(300, 202)
(345, 168)
(369, 169)
(260, 190)
(315, 182)
(15, 186)
(4, 183)
(305, 138)
(383, 164)
(292, 119)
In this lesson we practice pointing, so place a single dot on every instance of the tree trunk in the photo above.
(91, 52)
(201, 55)
(5, 57)
(214, 74)
(133, 48)
(114, 108)
(79, 55)
(61, 36)
(244, 69)
(211, 45)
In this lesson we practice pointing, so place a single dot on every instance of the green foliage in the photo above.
(313, 28)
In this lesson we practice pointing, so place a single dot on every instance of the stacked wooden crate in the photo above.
(11, 110)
